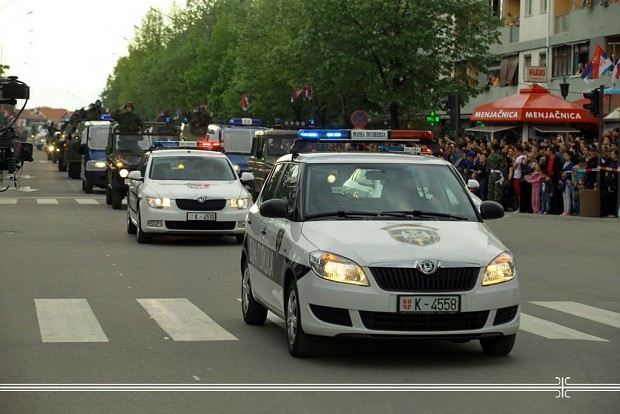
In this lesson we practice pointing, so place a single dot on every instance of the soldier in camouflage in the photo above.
(497, 171)
(129, 122)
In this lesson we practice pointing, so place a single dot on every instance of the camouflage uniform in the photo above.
(497, 171)
(129, 122)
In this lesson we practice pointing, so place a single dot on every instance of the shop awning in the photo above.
(490, 128)
(533, 104)
(554, 128)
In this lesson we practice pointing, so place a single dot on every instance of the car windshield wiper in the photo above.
(423, 214)
(343, 214)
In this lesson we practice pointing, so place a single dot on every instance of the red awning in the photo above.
(533, 104)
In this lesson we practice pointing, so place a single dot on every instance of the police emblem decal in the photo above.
(201, 199)
(415, 234)
(427, 266)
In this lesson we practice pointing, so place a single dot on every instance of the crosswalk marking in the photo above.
(551, 330)
(584, 311)
(183, 321)
(8, 201)
(47, 201)
(68, 320)
(86, 201)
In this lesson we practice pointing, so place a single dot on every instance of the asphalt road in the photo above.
(83, 305)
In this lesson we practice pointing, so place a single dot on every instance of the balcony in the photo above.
(508, 34)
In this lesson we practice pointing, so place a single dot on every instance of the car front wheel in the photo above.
(501, 345)
(300, 344)
(253, 312)
(142, 237)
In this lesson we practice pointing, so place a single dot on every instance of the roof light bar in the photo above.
(313, 134)
(245, 122)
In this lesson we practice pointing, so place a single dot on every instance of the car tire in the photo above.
(73, 170)
(108, 195)
(62, 167)
(131, 228)
(239, 238)
(501, 345)
(300, 344)
(253, 312)
(88, 189)
(117, 199)
(142, 237)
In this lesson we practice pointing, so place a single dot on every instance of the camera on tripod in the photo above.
(13, 152)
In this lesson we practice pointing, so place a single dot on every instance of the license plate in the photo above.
(201, 216)
(126, 181)
(429, 304)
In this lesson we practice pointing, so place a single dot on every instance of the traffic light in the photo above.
(453, 108)
(593, 106)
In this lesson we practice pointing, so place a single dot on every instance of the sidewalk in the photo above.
(560, 217)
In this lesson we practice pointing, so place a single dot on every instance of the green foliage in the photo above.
(395, 59)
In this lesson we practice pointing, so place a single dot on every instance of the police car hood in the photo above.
(193, 189)
(372, 243)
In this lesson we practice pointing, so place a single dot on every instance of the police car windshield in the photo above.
(191, 169)
(377, 191)
(98, 137)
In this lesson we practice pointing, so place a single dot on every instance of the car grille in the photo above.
(193, 205)
(448, 279)
(387, 321)
(201, 225)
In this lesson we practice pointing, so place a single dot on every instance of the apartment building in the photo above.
(546, 42)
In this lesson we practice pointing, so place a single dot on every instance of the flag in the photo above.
(296, 94)
(598, 65)
(245, 102)
(615, 73)
(308, 92)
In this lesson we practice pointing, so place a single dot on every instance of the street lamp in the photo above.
(564, 88)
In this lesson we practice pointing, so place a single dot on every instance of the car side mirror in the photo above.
(246, 177)
(274, 208)
(490, 210)
(135, 175)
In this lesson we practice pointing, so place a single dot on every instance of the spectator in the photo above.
(581, 185)
(610, 186)
(579, 172)
(518, 159)
(536, 180)
(496, 173)
(547, 190)
(565, 184)
(553, 166)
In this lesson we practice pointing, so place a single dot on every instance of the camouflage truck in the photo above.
(72, 156)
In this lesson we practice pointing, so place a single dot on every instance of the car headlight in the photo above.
(337, 269)
(240, 203)
(123, 173)
(236, 168)
(93, 165)
(119, 164)
(158, 202)
(500, 270)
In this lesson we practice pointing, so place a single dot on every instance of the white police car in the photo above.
(415, 260)
(186, 191)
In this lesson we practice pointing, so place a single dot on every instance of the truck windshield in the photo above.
(98, 137)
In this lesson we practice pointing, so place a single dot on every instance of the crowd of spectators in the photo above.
(543, 176)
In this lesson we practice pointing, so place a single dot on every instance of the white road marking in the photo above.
(551, 330)
(584, 311)
(68, 320)
(47, 201)
(86, 201)
(183, 321)
(8, 201)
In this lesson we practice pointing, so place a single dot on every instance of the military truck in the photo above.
(72, 156)
(59, 152)
(123, 154)
(267, 146)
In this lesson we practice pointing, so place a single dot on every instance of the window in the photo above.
(528, 7)
(527, 62)
(508, 71)
(562, 64)
(542, 59)
(581, 55)
(288, 188)
(543, 6)
(271, 185)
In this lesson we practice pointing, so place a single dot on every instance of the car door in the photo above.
(134, 187)
(261, 241)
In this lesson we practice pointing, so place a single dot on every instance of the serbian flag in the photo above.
(615, 73)
(245, 102)
(308, 92)
(598, 65)
(296, 94)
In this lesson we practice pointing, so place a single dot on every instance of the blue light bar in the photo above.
(245, 122)
(176, 144)
(106, 117)
(323, 133)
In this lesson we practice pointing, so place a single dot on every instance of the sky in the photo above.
(64, 50)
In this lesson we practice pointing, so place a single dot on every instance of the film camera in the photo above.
(13, 152)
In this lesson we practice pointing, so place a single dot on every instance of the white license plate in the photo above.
(429, 304)
(201, 216)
